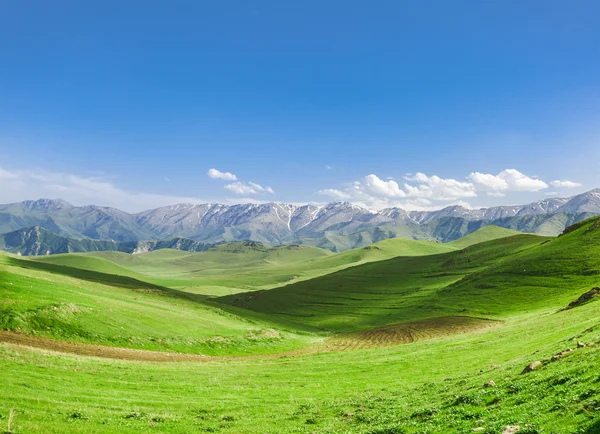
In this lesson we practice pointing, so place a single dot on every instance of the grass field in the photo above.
(88, 306)
(384, 292)
(486, 233)
(396, 338)
(239, 267)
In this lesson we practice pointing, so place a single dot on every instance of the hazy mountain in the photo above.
(60, 217)
(39, 241)
(337, 226)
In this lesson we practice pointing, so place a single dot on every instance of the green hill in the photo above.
(551, 274)
(486, 233)
(64, 302)
(383, 292)
(407, 343)
(494, 278)
(241, 266)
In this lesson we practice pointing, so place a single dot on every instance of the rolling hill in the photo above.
(383, 292)
(486, 233)
(398, 344)
(492, 278)
(243, 266)
(63, 302)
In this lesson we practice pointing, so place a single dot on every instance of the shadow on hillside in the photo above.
(114, 280)
(131, 283)
(594, 428)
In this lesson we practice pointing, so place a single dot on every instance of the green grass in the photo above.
(213, 272)
(385, 292)
(87, 306)
(432, 385)
(426, 387)
(239, 267)
(491, 279)
(486, 233)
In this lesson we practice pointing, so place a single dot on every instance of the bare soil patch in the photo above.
(405, 333)
(390, 335)
(92, 350)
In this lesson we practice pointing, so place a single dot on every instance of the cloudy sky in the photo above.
(141, 104)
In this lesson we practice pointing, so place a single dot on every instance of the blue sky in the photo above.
(414, 104)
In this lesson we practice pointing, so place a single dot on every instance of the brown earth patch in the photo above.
(405, 333)
(83, 349)
(390, 335)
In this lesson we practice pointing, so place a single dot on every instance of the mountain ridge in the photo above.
(37, 241)
(336, 226)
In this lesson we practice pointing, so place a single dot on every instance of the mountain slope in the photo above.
(385, 292)
(39, 241)
(499, 277)
(58, 216)
(486, 233)
(240, 266)
(66, 303)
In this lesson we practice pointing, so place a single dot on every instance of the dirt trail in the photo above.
(83, 349)
(395, 334)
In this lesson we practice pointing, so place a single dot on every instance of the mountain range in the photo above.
(336, 226)
(38, 241)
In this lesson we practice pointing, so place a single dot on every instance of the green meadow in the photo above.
(401, 336)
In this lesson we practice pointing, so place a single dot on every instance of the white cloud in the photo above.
(421, 191)
(260, 188)
(507, 180)
(487, 181)
(5, 174)
(436, 188)
(328, 167)
(417, 193)
(372, 185)
(217, 174)
(239, 187)
(248, 188)
(19, 185)
(565, 184)
(337, 195)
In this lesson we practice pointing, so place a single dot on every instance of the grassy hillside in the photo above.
(491, 279)
(417, 338)
(486, 233)
(232, 256)
(239, 267)
(433, 386)
(556, 270)
(384, 292)
(62, 302)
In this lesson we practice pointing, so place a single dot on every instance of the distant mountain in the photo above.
(38, 241)
(62, 218)
(336, 226)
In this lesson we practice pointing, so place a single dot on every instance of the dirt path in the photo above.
(83, 349)
(390, 335)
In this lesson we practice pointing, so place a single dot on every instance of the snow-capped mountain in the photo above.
(337, 226)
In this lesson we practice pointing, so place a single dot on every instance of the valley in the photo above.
(315, 217)
(245, 337)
